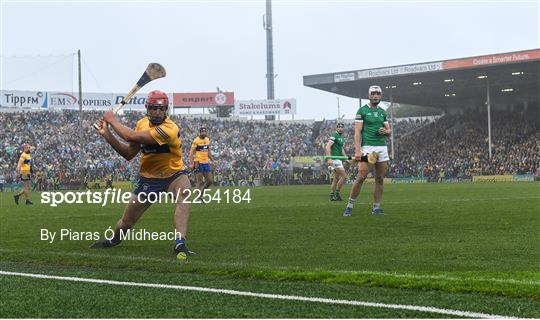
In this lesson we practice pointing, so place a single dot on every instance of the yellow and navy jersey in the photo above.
(164, 158)
(26, 162)
(201, 148)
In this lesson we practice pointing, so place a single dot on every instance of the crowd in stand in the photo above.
(68, 151)
(249, 148)
(242, 150)
(457, 145)
(62, 147)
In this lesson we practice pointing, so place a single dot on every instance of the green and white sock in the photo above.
(351, 202)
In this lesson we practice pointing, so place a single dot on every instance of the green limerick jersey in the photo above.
(337, 147)
(372, 120)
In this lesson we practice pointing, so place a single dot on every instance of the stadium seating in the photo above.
(451, 146)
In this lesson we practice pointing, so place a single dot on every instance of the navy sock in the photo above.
(180, 241)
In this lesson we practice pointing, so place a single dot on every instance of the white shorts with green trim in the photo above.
(337, 164)
(381, 150)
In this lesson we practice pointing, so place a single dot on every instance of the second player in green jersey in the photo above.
(334, 147)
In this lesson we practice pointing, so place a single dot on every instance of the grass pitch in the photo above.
(473, 247)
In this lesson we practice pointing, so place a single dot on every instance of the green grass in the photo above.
(467, 246)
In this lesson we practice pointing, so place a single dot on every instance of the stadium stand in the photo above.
(242, 149)
(451, 146)
(457, 145)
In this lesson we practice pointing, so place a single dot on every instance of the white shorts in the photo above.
(381, 150)
(337, 164)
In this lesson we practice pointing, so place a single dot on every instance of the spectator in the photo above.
(453, 144)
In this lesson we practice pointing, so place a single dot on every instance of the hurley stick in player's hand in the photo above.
(153, 71)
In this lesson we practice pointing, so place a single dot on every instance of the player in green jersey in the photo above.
(371, 128)
(334, 147)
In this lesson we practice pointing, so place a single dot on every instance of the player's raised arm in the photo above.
(128, 151)
(128, 134)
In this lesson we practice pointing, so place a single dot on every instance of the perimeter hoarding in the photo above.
(265, 107)
(23, 99)
(68, 100)
(203, 99)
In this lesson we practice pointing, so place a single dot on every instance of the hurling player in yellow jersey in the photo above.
(162, 168)
(200, 158)
(24, 170)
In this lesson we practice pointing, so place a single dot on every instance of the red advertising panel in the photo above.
(203, 99)
(492, 59)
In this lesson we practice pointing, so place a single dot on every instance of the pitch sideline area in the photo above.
(458, 313)
(433, 249)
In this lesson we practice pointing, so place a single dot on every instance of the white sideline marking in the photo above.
(464, 314)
